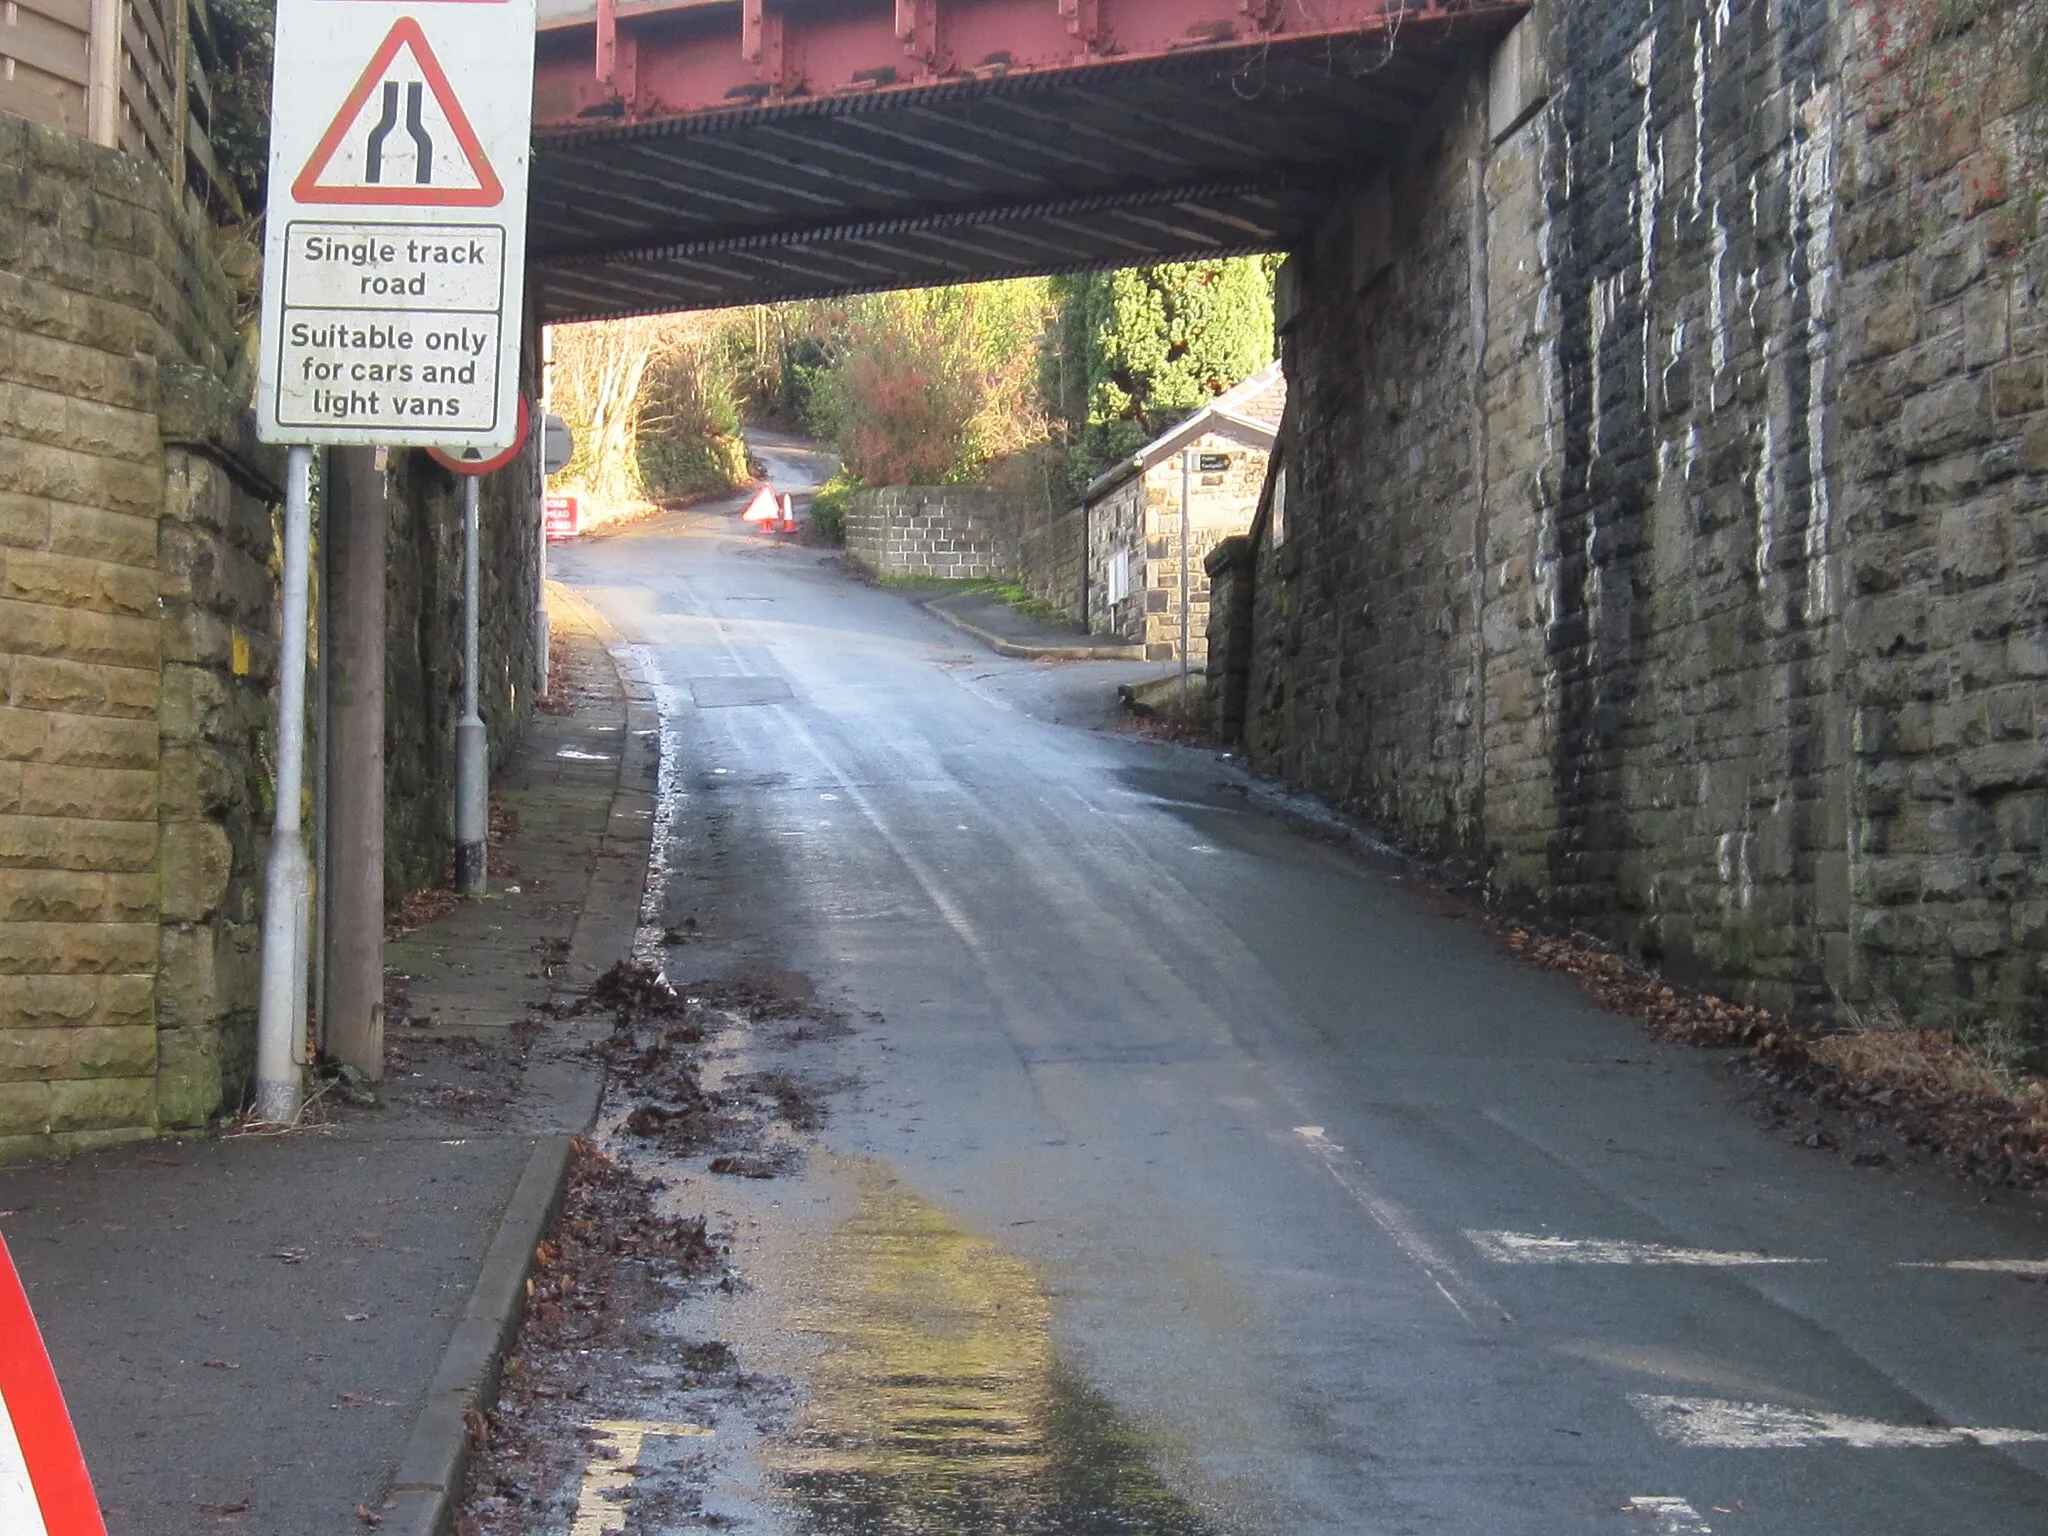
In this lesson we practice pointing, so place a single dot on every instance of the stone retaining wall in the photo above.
(138, 654)
(944, 532)
(1661, 535)
(423, 647)
(135, 655)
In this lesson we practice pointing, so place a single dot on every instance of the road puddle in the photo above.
(936, 1402)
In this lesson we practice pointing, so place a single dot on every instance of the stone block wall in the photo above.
(1116, 526)
(109, 536)
(1141, 518)
(1939, 377)
(1689, 589)
(216, 536)
(944, 532)
(138, 654)
(1229, 567)
(1052, 543)
(423, 647)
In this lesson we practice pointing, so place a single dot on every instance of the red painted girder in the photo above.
(647, 60)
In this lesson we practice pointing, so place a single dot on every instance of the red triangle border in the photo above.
(404, 33)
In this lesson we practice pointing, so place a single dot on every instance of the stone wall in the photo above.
(1220, 506)
(943, 532)
(1116, 528)
(1667, 451)
(133, 664)
(217, 717)
(1052, 545)
(138, 654)
(1229, 567)
(423, 647)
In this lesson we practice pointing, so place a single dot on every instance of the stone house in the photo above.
(1136, 574)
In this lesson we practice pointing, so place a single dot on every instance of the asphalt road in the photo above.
(1195, 1170)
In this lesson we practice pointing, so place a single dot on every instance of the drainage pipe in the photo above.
(280, 1046)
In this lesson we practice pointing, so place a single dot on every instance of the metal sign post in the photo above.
(393, 278)
(280, 1046)
(1187, 459)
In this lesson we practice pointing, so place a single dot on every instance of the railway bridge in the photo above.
(697, 153)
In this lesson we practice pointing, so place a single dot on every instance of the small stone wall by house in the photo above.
(1228, 637)
(944, 532)
(1052, 544)
(1667, 459)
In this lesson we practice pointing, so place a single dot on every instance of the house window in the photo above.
(1279, 517)
(1119, 576)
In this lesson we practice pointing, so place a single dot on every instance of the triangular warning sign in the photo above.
(44, 1489)
(401, 139)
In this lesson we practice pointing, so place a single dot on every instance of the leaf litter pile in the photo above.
(1924, 1090)
(626, 1249)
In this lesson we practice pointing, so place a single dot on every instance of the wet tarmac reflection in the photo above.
(937, 1404)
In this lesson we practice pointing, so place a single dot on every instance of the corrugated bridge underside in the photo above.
(1213, 152)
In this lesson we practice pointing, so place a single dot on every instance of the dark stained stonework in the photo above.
(1661, 537)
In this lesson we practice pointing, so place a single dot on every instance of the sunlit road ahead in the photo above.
(1194, 1170)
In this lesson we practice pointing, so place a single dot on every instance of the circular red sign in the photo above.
(454, 459)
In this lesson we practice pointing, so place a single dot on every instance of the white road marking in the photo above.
(1719, 1424)
(1532, 1248)
(2037, 1267)
(1674, 1517)
(600, 1503)
(1393, 1221)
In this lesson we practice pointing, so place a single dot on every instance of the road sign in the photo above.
(394, 247)
(475, 461)
(44, 1489)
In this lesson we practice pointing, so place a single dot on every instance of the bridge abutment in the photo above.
(1666, 448)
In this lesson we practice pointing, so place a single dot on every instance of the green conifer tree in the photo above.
(1136, 350)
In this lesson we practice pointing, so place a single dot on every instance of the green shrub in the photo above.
(675, 467)
(828, 506)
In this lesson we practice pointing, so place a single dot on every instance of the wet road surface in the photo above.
(1189, 1174)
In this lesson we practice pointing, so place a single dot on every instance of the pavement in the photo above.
(265, 1332)
(1008, 631)
(1188, 1171)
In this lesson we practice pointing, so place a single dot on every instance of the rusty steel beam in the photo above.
(641, 61)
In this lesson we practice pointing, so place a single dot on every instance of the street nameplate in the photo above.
(394, 249)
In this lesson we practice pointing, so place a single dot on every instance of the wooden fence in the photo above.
(126, 73)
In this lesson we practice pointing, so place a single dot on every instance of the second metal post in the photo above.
(472, 749)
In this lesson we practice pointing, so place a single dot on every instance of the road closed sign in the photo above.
(394, 247)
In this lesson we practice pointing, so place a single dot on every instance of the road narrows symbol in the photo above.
(395, 161)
